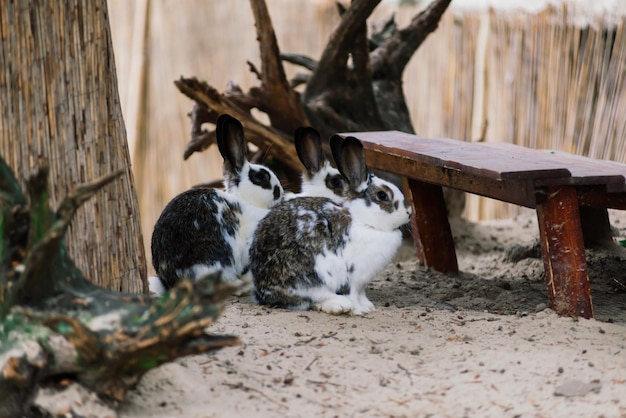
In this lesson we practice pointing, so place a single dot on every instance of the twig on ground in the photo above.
(304, 342)
(245, 388)
(408, 373)
(308, 367)
(322, 383)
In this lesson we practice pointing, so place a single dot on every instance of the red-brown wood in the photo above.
(408, 193)
(476, 158)
(599, 198)
(583, 170)
(431, 229)
(518, 191)
(563, 252)
(498, 160)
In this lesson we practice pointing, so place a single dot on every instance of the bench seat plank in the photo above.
(471, 158)
(583, 170)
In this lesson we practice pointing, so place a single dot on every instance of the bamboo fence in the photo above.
(551, 77)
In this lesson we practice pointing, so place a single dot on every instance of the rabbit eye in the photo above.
(260, 177)
(382, 196)
(335, 182)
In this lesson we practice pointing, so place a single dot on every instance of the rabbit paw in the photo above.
(336, 305)
(245, 287)
(363, 309)
(362, 305)
(155, 286)
(366, 304)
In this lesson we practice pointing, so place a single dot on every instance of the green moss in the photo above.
(150, 362)
(16, 329)
(40, 213)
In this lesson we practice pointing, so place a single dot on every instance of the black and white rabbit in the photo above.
(203, 230)
(308, 249)
(319, 177)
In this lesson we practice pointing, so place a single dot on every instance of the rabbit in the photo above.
(204, 230)
(319, 177)
(308, 249)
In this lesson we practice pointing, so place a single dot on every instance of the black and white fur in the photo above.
(204, 230)
(309, 249)
(319, 177)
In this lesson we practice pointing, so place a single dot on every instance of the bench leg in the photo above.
(431, 229)
(563, 252)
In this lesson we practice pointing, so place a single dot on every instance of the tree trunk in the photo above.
(60, 104)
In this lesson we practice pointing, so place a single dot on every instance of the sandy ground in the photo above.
(481, 344)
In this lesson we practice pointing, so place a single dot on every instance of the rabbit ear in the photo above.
(309, 148)
(220, 122)
(350, 159)
(335, 143)
(230, 142)
(219, 130)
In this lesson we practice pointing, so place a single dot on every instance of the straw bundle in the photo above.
(60, 109)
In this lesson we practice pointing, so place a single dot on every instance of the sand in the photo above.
(480, 344)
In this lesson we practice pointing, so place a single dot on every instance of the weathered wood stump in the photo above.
(57, 325)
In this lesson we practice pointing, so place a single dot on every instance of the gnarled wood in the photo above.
(277, 98)
(256, 132)
(56, 324)
(339, 96)
(391, 57)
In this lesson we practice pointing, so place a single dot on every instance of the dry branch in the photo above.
(56, 324)
(399, 46)
(333, 64)
(355, 86)
(281, 103)
(207, 96)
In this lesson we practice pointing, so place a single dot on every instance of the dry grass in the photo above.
(553, 79)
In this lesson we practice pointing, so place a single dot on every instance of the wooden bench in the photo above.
(558, 185)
